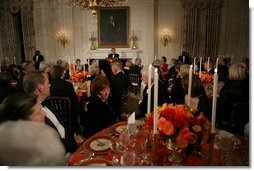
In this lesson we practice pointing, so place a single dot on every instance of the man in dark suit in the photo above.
(113, 53)
(37, 58)
(62, 88)
(184, 58)
(37, 82)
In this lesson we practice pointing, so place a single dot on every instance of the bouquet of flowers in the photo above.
(78, 76)
(206, 78)
(181, 125)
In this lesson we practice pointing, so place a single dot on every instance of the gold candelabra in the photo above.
(134, 40)
(62, 38)
(92, 39)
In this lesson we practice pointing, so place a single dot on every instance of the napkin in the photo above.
(131, 118)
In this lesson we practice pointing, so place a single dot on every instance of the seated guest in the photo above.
(176, 90)
(199, 100)
(62, 88)
(25, 143)
(4, 65)
(184, 58)
(99, 113)
(5, 85)
(162, 93)
(210, 68)
(127, 67)
(22, 106)
(223, 70)
(120, 83)
(172, 71)
(37, 82)
(235, 90)
(113, 54)
(26, 67)
(164, 67)
(78, 66)
(136, 68)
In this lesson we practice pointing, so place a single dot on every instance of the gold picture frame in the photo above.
(113, 27)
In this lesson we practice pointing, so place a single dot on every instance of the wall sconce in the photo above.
(62, 38)
(165, 37)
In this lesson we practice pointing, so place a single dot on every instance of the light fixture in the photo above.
(134, 40)
(165, 37)
(92, 39)
(62, 38)
(93, 5)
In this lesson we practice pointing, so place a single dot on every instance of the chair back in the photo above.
(135, 87)
(63, 106)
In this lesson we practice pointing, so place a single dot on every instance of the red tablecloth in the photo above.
(210, 157)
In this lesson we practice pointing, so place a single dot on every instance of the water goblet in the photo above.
(129, 157)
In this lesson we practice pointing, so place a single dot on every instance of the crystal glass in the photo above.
(129, 157)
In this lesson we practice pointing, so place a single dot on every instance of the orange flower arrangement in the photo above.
(180, 124)
(206, 77)
(78, 76)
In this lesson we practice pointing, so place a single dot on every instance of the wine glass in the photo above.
(226, 144)
(124, 139)
(129, 157)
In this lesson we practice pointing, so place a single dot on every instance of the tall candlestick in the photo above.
(149, 89)
(217, 63)
(183, 59)
(200, 67)
(208, 63)
(74, 64)
(155, 57)
(69, 60)
(155, 102)
(194, 65)
(214, 106)
(14, 60)
(189, 86)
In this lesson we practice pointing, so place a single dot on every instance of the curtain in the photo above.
(201, 26)
(7, 30)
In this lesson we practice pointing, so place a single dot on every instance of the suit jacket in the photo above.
(163, 97)
(62, 88)
(186, 59)
(119, 84)
(69, 141)
(37, 63)
(98, 116)
(115, 55)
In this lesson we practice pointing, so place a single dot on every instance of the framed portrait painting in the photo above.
(113, 27)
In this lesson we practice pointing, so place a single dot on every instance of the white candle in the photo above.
(194, 65)
(215, 88)
(189, 86)
(208, 63)
(155, 57)
(200, 65)
(217, 63)
(69, 60)
(149, 89)
(183, 59)
(155, 102)
(14, 60)
(74, 64)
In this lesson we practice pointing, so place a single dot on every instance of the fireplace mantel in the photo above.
(123, 53)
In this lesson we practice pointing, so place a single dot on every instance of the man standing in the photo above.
(113, 53)
(37, 58)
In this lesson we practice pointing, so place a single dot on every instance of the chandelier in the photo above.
(93, 5)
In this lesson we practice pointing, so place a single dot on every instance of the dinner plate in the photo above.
(98, 145)
(95, 162)
(119, 127)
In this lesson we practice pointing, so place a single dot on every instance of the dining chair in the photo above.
(63, 106)
(135, 87)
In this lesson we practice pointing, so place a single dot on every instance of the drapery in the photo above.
(201, 27)
(8, 36)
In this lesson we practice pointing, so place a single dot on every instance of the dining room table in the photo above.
(106, 148)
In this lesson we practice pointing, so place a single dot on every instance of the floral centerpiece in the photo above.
(78, 76)
(181, 126)
(206, 78)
